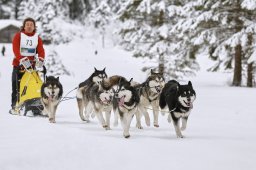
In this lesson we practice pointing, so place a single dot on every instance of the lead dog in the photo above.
(125, 101)
(51, 92)
(179, 99)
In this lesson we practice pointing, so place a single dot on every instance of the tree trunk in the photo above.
(250, 75)
(103, 38)
(237, 79)
(238, 66)
(16, 8)
(161, 64)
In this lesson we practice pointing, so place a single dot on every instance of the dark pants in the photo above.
(16, 77)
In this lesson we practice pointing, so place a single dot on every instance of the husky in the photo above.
(125, 101)
(96, 78)
(179, 99)
(149, 97)
(51, 93)
(113, 82)
(100, 100)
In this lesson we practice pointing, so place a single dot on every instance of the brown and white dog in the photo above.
(125, 101)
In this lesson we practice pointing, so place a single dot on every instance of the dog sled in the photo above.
(30, 89)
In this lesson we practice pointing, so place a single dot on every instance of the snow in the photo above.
(220, 133)
(252, 58)
(6, 22)
(249, 4)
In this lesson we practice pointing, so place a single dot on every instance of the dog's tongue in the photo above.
(121, 101)
(51, 97)
(191, 105)
(105, 101)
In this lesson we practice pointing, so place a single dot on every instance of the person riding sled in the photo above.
(26, 45)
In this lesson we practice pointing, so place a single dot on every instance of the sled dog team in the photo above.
(100, 93)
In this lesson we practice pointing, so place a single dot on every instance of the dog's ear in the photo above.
(190, 84)
(104, 69)
(95, 69)
(178, 86)
(58, 78)
(152, 72)
(130, 80)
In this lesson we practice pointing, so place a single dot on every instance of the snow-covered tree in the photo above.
(77, 9)
(147, 31)
(223, 27)
(100, 18)
(7, 8)
(28, 8)
(54, 65)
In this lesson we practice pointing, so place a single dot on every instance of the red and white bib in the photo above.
(28, 44)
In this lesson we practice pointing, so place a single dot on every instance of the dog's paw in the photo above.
(156, 125)
(51, 120)
(180, 136)
(139, 127)
(107, 128)
(127, 136)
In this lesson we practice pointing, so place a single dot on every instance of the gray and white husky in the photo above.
(125, 101)
(51, 93)
(99, 100)
(149, 97)
(84, 88)
(179, 99)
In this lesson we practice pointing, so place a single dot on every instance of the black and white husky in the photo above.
(83, 90)
(125, 101)
(99, 100)
(51, 93)
(179, 99)
(149, 97)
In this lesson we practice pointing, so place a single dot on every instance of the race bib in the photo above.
(28, 44)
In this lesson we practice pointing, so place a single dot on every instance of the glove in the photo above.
(25, 62)
(39, 64)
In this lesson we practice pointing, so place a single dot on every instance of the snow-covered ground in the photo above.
(220, 135)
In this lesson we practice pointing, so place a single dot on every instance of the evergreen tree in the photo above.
(222, 29)
(147, 31)
(54, 65)
(77, 9)
(6, 9)
(28, 8)
(100, 18)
